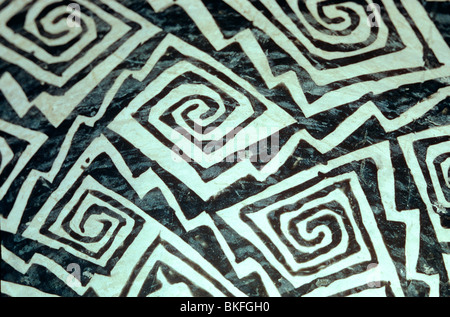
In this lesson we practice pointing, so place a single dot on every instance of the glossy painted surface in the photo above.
(224, 148)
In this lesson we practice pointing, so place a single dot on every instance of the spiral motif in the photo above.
(47, 21)
(197, 110)
(206, 120)
(331, 19)
(44, 32)
(307, 233)
(315, 235)
(339, 27)
(93, 225)
(203, 117)
(334, 30)
(334, 24)
(315, 230)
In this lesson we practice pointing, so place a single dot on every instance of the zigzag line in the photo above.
(18, 290)
(348, 126)
(378, 153)
(14, 94)
(175, 290)
(142, 185)
(367, 111)
(38, 259)
(407, 145)
(250, 46)
(242, 269)
(57, 108)
(12, 223)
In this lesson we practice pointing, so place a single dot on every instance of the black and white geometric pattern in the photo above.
(224, 148)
